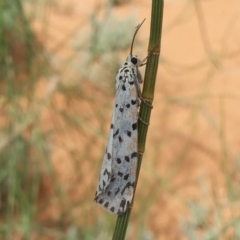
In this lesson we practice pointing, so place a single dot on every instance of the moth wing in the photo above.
(118, 194)
(106, 169)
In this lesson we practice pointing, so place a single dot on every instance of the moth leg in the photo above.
(147, 102)
(144, 61)
(139, 94)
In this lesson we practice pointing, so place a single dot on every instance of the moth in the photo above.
(116, 185)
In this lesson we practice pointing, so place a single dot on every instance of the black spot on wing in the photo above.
(127, 158)
(129, 133)
(106, 204)
(134, 154)
(126, 177)
(131, 82)
(113, 179)
(106, 172)
(122, 206)
(120, 174)
(112, 209)
(123, 202)
(128, 185)
(116, 133)
(118, 190)
(119, 160)
(133, 102)
(134, 126)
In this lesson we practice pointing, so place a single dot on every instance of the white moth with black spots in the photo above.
(118, 174)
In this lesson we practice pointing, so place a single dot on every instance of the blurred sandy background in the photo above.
(189, 182)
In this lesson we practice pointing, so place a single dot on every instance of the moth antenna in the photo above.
(137, 28)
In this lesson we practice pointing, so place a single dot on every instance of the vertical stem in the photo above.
(148, 95)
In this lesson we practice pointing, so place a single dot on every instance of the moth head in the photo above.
(132, 60)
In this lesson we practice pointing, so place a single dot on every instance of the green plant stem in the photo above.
(146, 105)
